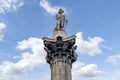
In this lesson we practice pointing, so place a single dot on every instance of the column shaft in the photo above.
(60, 71)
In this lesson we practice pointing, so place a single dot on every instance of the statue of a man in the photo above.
(61, 19)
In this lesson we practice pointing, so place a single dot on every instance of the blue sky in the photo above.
(23, 23)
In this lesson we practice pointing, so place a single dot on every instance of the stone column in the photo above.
(60, 55)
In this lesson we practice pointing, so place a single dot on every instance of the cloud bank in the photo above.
(86, 71)
(52, 10)
(33, 57)
(10, 5)
(90, 47)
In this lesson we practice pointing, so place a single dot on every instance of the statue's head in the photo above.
(60, 11)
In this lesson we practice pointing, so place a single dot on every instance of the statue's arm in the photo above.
(57, 17)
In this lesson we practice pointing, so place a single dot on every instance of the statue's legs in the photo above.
(61, 24)
(57, 27)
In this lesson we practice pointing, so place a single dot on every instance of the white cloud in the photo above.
(34, 57)
(114, 59)
(48, 78)
(90, 46)
(118, 74)
(85, 71)
(10, 5)
(52, 10)
(2, 28)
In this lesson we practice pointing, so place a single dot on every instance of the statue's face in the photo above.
(61, 11)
